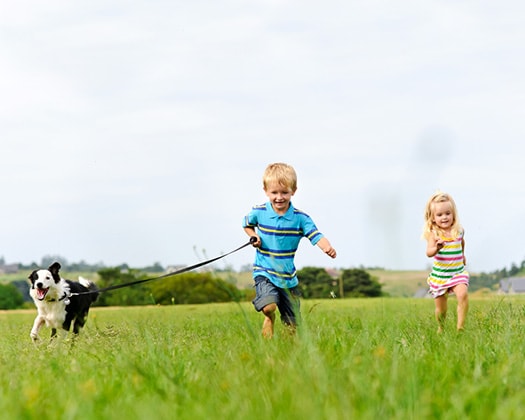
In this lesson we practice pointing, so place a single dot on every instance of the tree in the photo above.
(315, 282)
(47, 260)
(514, 269)
(359, 283)
(138, 294)
(155, 268)
(190, 288)
(10, 297)
(187, 288)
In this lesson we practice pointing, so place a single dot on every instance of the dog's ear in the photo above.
(32, 277)
(54, 269)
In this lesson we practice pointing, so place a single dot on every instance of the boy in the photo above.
(279, 227)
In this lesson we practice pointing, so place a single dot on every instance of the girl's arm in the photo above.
(463, 248)
(327, 248)
(434, 244)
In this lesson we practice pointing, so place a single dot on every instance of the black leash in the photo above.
(173, 273)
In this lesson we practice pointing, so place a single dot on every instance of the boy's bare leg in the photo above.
(269, 320)
(441, 311)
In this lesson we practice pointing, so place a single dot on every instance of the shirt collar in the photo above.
(274, 215)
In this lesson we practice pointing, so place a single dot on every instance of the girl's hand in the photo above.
(434, 244)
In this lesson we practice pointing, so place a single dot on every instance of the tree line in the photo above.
(201, 287)
(205, 287)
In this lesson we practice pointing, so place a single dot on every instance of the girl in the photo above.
(446, 245)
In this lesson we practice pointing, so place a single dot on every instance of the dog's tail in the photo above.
(92, 287)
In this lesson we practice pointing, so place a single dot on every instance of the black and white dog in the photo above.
(56, 299)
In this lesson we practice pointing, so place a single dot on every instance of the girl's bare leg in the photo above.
(461, 293)
(441, 311)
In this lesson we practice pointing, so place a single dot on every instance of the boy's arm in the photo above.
(250, 231)
(327, 248)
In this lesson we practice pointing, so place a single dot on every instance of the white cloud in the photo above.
(131, 133)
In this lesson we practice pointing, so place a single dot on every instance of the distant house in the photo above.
(333, 272)
(512, 285)
(9, 268)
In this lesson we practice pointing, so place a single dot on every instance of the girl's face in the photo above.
(279, 197)
(443, 215)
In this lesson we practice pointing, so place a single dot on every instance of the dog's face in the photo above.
(42, 280)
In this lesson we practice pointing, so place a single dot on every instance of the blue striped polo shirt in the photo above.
(280, 236)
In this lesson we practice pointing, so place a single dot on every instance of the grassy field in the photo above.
(400, 283)
(355, 358)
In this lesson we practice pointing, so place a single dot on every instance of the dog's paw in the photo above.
(34, 335)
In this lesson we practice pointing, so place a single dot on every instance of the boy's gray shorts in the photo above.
(287, 300)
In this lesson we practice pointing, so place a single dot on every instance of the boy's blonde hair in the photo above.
(430, 227)
(281, 173)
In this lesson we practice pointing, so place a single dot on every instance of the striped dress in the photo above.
(448, 269)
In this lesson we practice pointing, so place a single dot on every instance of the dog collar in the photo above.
(62, 298)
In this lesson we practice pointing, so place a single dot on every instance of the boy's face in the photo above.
(443, 215)
(279, 196)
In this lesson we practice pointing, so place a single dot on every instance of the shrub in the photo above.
(10, 297)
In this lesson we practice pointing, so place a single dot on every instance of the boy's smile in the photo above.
(279, 197)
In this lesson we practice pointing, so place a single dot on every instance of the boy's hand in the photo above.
(255, 241)
(330, 252)
(326, 247)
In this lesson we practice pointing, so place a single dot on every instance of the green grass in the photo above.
(356, 358)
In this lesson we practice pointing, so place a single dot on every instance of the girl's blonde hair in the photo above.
(282, 173)
(430, 227)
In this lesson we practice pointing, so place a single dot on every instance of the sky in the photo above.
(137, 132)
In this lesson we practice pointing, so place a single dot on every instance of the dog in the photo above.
(57, 302)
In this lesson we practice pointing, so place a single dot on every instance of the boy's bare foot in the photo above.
(267, 329)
